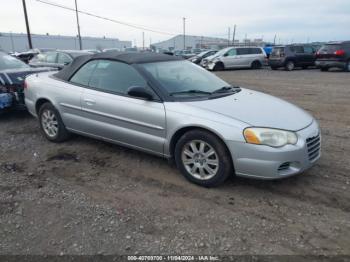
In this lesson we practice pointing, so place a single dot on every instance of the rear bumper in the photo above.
(266, 162)
(330, 63)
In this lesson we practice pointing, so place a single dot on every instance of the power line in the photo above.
(106, 18)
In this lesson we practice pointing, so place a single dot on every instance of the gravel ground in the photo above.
(89, 197)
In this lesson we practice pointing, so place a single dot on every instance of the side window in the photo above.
(255, 51)
(116, 77)
(297, 49)
(232, 52)
(51, 57)
(308, 50)
(243, 51)
(83, 75)
(64, 59)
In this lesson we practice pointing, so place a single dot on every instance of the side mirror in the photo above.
(140, 92)
(226, 54)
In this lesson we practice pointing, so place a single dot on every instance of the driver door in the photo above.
(110, 113)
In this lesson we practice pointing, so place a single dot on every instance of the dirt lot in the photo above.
(90, 197)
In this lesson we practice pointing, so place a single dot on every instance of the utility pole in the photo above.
(274, 40)
(77, 15)
(27, 24)
(184, 25)
(143, 41)
(234, 35)
(229, 36)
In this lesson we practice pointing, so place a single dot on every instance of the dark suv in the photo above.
(335, 54)
(291, 56)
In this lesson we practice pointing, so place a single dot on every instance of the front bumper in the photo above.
(264, 162)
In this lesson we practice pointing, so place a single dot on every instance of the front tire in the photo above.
(289, 66)
(203, 158)
(219, 67)
(51, 124)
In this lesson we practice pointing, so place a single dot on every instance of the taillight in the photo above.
(25, 84)
(339, 52)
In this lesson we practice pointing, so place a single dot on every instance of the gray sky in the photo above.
(291, 20)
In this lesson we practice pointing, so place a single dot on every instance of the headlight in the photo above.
(269, 137)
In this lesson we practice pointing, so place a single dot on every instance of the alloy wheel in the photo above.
(200, 159)
(49, 123)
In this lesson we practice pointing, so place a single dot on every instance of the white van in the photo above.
(236, 57)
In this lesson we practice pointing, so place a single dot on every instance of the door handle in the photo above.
(89, 101)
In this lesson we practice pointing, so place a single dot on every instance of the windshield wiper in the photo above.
(226, 89)
(193, 91)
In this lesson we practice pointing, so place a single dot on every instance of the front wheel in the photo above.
(203, 158)
(51, 124)
(219, 67)
(290, 66)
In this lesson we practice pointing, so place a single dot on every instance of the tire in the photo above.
(274, 68)
(347, 67)
(256, 65)
(219, 67)
(192, 147)
(290, 65)
(304, 67)
(51, 124)
(324, 69)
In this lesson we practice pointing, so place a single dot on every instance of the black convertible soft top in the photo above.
(125, 57)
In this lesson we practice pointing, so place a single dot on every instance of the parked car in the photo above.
(170, 107)
(236, 57)
(292, 56)
(197, 59)
(186, 54)
(335, 55)
(56, 59)
(12, 74)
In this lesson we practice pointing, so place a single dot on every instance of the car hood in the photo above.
(258, 109)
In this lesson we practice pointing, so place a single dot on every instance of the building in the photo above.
(14, 42)
(203, 42)
(177, 43)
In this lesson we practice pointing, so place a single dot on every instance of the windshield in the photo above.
(9, 62)
(179, 77)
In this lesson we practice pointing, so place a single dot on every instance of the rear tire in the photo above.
(304, 67)
(274, 68)
(51, 124)
(347, 67)
(324, 69)
(256, 65)
(219, 67)
(289, 66)
(203, 158)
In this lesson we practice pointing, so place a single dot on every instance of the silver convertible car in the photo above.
(172, 108)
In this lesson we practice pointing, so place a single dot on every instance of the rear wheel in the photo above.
(289, 66)
(203, 158)
(51, 124)
(219, 67)
(274, 68)
(347, 67)
(324, 69)
(256, 65)
(304, 67)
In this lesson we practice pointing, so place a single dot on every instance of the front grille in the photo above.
(313, 147)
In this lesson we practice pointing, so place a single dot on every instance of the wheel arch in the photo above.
(181, 131)
(40, 102)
